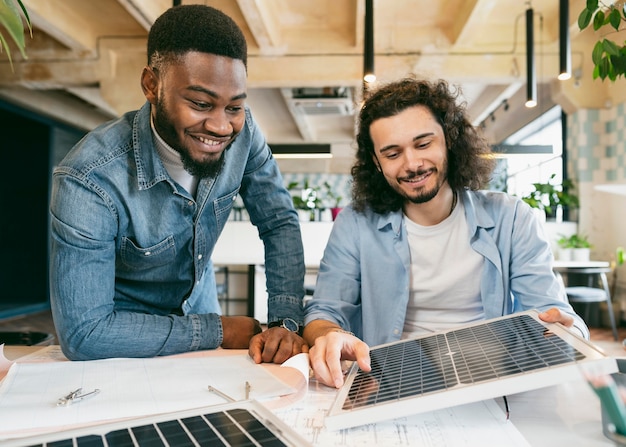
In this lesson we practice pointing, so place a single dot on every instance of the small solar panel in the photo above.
(489, 359)
(245, 423)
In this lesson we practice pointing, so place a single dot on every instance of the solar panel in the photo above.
(475, 362)
(244, 423)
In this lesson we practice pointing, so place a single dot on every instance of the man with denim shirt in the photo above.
(421, 248)
(139, 203)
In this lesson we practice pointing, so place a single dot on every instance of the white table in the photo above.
(563, 265)
(566, 414)
(596, 269)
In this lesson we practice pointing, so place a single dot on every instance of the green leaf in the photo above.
(619, 63)
(27, 16)
(598, 50)
(598, 20)
(605, 67)
(584, 19)
(615, 19)
(592, 5)
(596, 71)
(610, 47)
(611, 74)
(5, 46)
(11, 20)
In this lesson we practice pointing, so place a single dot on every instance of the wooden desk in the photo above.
(566, 414)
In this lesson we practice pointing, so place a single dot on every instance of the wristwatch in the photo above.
(288, 323)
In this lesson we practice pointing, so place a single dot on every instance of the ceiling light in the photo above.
(565, 59)
(368, 47)
(531, 76)
(301, 150)
(505, 150)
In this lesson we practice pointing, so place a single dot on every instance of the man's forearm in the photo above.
(318, 328)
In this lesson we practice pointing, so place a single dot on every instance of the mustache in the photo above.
(414, 174)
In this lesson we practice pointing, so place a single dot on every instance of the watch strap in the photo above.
(280, 323)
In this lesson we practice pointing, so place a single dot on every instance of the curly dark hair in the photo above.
(200, 28)
(469, 167)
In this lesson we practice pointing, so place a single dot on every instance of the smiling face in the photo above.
(198, 107)
(410, 151)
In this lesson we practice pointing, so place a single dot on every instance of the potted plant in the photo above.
(550, 197)
(306, 200)
(575, 247)
(334, 199)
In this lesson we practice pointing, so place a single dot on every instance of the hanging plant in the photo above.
(608, 56)
(11, 21)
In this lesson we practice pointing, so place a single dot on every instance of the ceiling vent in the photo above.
(323, 101)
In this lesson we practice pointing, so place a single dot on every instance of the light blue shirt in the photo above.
(130, 265)
(364, 277)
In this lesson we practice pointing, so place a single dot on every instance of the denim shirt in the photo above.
(363, 283)
(130, 269)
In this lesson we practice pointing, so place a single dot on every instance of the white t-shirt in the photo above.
(445, 276)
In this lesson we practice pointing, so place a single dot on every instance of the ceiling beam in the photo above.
(262, 23)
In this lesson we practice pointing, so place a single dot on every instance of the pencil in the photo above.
(606, 389)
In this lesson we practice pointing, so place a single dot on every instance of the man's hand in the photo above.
(238, 331)
(333, 347)
(554, 315)
(276, 345)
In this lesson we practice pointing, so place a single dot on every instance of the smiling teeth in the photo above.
(209, 142)
(417, 179)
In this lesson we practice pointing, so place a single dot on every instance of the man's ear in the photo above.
(150, 84)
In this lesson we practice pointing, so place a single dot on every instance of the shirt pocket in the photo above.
(143, 258)
(223, 205)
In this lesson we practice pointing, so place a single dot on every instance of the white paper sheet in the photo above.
(473, 425)
(128, 388)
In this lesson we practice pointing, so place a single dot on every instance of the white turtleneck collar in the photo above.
(173, 164)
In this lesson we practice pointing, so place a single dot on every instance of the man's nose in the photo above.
(217, 123)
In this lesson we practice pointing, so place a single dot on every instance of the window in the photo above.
(524, 170)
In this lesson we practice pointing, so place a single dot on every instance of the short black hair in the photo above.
(199, 28)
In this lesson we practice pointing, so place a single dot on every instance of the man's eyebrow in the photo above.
(211, 93)
(415, 138)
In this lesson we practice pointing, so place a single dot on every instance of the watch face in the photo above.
(290, 325)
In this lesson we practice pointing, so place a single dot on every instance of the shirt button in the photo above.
(190, 203)
(396, 331)
(148, 253)
(199, 257)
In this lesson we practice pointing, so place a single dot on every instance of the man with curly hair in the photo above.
(139, 203)
(422, 248)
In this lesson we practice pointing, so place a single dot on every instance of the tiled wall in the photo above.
(597, 145)
(597, 155)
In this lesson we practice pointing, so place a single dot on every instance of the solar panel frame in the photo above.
(228, 424)
(460, 366)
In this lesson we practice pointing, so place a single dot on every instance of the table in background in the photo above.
(592, 270)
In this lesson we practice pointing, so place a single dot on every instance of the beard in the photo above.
(423, 195)
(206, 168)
